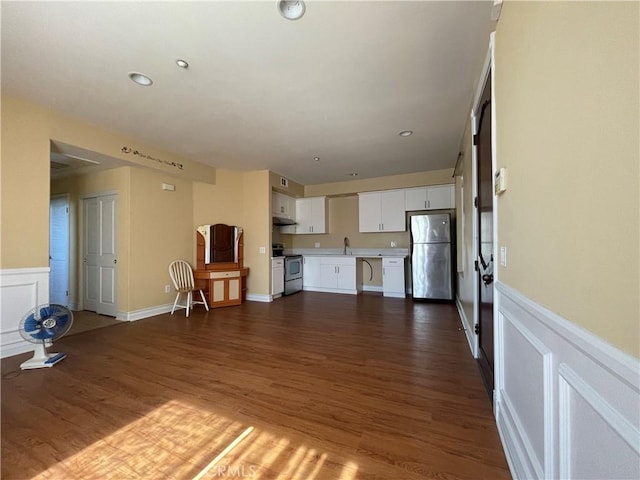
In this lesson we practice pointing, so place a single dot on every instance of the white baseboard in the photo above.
(331, 290)
(21, 289)
(372, 288)
(468, 328)
(566, 400)
(257, 297)
(144, 312)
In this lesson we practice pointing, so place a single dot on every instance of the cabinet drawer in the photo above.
(277, 262)
(392, 262)
(235, 273)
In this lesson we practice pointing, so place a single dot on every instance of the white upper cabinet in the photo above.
(382, 211)
(430, 198)
(282, 205)
(311, 215)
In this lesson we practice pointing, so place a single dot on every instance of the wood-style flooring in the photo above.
(311, 386)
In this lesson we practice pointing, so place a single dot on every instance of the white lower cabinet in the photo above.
(332, 274)
(277, 276)
(393, 277)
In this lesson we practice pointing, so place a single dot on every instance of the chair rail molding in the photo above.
(566, 401)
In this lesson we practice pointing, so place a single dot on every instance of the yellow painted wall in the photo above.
(27, 130)
(257, 230)
(161, 232)
(294, 189)
(567, 104)
(219, 203)
(24, 206)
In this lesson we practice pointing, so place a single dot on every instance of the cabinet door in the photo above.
(277, 280)
(234, 289)
(346, 277)
(328, 276)
(311, 272)
(416, 199)
(440, 196)
(392, 211)
(218, 290)
(369, 213)
(393, 281)
(303, 216)
(318, 215)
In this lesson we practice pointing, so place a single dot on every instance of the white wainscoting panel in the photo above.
(21, 289)
(567, 403)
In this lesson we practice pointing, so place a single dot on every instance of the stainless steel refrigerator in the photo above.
(431, 256)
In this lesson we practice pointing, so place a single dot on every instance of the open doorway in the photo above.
(59, 250)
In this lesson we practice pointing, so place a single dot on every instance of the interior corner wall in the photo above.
(161, 232)
(567, 123)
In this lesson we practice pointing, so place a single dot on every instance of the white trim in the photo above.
(576, 364)
(331, 290)
(257, 297)
(374, 288)
(144, 313)
(619, 363)
(609, 414)
(466, 326)
(24, 271)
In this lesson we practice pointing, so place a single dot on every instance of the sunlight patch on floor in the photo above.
(181, 441)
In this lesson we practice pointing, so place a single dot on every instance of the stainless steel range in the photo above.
(292, 274)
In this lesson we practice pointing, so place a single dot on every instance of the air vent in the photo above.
(284, 182)
(58, 165)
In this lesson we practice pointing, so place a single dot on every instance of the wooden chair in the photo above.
(182, 278)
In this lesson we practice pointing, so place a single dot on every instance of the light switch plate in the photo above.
(263, 250)
(503, 256)
(317, 245)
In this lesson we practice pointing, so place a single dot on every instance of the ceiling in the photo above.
(261, 92)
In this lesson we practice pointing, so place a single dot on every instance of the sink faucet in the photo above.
(346, 244)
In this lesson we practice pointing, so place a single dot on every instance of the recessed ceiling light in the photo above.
(291, 9)
(317, 159)
(405, 133)
(354, 174)
(182, 63)
(140, 79)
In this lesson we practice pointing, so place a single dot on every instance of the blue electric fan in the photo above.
(42, 326)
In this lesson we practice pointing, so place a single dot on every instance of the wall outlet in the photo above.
(394, 244)
(167, 289)
(317, 244)
(263, 250)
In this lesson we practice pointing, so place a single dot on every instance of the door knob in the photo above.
(487, 278)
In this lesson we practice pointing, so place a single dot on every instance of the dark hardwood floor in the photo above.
(311, 386)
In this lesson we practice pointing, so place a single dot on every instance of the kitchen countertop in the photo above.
(351, 252)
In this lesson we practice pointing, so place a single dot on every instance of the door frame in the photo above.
(488, 68)
(83, 197)
(67, 197)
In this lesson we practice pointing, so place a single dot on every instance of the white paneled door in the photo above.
(59, 250)
(100, 262)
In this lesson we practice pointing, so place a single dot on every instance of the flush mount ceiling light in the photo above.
(291, 9)
(140, 79)
(317, 159)
(182, 63)
(354, 174)
(405, 133)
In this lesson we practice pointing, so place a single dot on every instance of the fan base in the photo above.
(49, 361)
